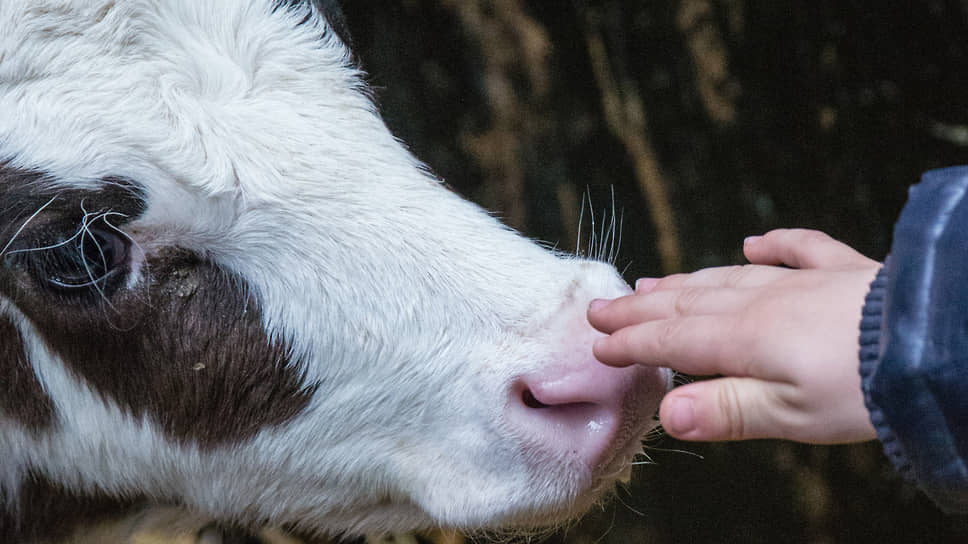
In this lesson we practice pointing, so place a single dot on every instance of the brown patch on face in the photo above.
(185, 347)
(23, 398)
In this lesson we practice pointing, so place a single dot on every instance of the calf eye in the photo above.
(91, 258)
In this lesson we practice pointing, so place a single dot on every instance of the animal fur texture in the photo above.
(226, 287)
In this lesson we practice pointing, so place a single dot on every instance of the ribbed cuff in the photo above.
(870, 351)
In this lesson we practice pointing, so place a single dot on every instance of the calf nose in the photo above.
(581, 408)
(573, 407)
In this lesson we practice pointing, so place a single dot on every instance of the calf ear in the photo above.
(331, 10)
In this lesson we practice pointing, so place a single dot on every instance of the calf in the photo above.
(225, 286)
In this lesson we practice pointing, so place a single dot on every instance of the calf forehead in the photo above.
(224, 96)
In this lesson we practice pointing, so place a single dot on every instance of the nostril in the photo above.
(527, 397)
(567, 410)
(561, 417)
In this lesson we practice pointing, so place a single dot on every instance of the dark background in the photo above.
(708, 120)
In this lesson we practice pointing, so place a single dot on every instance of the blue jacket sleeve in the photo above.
(914, 341)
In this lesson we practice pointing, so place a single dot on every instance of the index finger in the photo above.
(666, 304)
(701, 345)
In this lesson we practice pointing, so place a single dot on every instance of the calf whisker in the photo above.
(24, 225)
(611, 524)
(674, 450)
(619, 498)
(134, 243)
(85, 228)
(46, 248)
(81, 236)
(648, 460)
(581, 216)
(605, 245)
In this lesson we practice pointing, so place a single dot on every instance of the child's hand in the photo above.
(785, 340)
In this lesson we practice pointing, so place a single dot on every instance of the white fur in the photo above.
(258, 148)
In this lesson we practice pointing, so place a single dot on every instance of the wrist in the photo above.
(871, 327)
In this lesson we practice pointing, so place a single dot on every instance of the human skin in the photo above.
(781, 333)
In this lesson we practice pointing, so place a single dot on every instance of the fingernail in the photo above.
(682, 417)
(644, 285)
(597, 304)
(750, 240)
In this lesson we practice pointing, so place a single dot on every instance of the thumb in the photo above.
(721, 409)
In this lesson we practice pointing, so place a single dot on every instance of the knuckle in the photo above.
(669, 336)
(622, 347)
(618, 343)
(734, 275)
(687, 300)
(617, 339)
(729, 404)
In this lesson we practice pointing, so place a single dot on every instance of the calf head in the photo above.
(224, 285)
